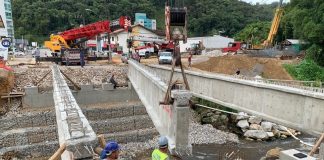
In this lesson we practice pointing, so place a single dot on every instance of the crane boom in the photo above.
(275, 25)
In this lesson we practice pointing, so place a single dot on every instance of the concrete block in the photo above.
(289, 155)
(31, 90)
(182, 97)
(86, 88)
(107, 86)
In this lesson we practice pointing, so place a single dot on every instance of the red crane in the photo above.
(70, 39)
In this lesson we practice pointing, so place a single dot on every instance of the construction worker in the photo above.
(82, 54)
(112, 81)
(189, 60)
(161, 152)
(37, 56)
(110, 152)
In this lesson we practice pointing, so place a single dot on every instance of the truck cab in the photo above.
(234, 47)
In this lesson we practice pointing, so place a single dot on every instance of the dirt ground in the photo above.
(270, 68)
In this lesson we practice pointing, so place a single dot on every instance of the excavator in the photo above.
(268, 43)
(67, 43)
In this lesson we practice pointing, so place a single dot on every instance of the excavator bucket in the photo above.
(178, 17)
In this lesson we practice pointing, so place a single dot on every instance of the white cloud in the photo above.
(263, 1)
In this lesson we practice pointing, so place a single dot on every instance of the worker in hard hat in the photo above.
(161, 152)
(110, 152)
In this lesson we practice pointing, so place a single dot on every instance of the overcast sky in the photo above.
(263, 1)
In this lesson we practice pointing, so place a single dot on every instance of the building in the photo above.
(119, 38)
(3, 30)
(141, 18)
(3, 20)
(212, 42)
(9, 21)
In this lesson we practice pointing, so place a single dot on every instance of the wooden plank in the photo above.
(12, 96)
(74, 84)
(43, 77)
(318, 143)
(58, 153)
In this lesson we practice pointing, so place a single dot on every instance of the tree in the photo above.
(255, 33)
(304, 19)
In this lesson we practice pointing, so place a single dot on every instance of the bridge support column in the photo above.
(180, 116)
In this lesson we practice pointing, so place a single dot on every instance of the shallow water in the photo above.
(247, 150)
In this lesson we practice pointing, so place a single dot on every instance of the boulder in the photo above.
(280, 127)
(223, 119)
(244, 124)
(255, 127)
(207, 120)
(266, 126)
(276, 133)
(283, 136)
(255, 120)
(270, 134)
(242, 115)
(273, 153)
(256, 134)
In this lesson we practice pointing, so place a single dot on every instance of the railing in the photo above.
(314, 86)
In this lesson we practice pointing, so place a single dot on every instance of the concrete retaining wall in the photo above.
(292, 107)
(87, 95)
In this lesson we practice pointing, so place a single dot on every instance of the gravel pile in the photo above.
(129, 150)
(13, 108)
(30, 77)
(207, 134)
(89, 75)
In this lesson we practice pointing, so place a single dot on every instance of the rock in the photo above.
(266, 126)
(255, 127)
(244, 130)
(249, 139)
(280, 127)
(244, 124)
(209, 114)
(273, 153)
(242, 115)
(284, 133)
(283, 136)
(215, 117)
(223, 119)
(270, 134)
(276, 133)
(207, 120)
(255, 120)
(256, 134)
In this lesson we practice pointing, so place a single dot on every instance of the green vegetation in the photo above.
(37, 19)
(255, 33)
(307, 70)
(304, 19)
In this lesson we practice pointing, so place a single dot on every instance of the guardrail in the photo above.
(314, 86)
